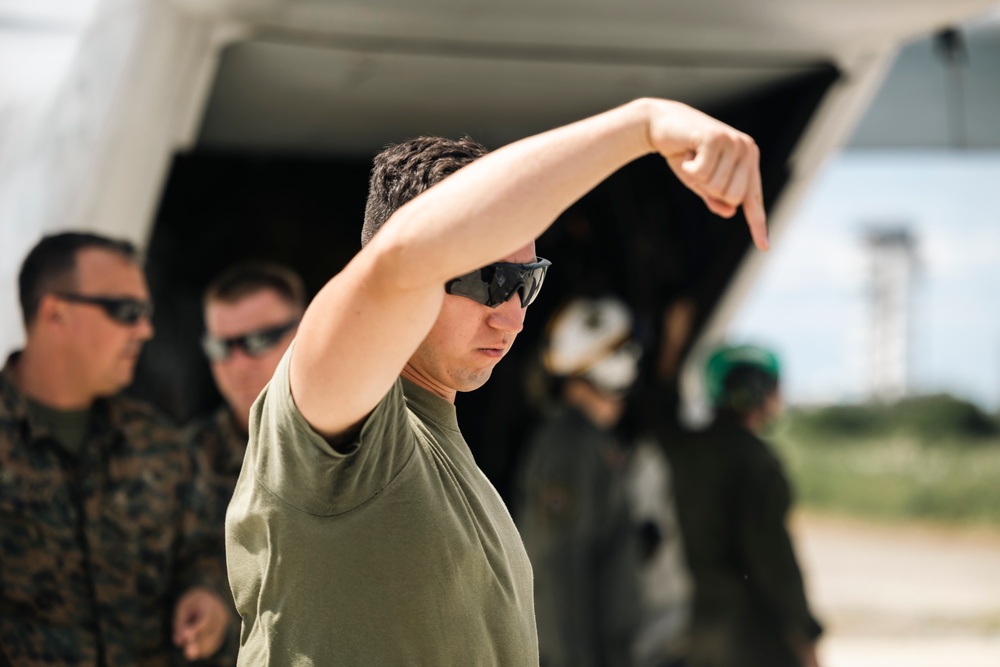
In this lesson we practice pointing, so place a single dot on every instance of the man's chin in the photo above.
(114, 388)
(474, 382)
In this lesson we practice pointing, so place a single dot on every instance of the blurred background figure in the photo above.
(665, 584)
(733, 499)
(251, 314)
(107, 553)
(574, 515)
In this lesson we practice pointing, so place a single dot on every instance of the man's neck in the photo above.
(47, 379)
(422, 381)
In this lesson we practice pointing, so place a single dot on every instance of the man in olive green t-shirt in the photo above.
(361, 531)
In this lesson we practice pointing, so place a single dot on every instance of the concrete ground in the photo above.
(902, 596)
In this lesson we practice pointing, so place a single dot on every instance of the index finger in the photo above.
(753, 210)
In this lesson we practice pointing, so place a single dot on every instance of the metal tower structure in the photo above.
(892, 255)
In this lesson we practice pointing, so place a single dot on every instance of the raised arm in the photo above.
(364, 325)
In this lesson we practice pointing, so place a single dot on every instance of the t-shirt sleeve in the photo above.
(300, 466)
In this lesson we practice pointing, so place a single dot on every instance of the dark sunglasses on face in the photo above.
(494, 284)
(254, 343)
(123, 310)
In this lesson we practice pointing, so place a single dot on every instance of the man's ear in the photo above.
(51, 310)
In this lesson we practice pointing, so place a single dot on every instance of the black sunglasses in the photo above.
(124, 310)
(494, 284)
(254, 343)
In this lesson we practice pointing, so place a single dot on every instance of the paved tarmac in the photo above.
(902, 596)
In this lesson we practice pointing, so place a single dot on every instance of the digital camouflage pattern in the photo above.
(222, 446)
(94, 552)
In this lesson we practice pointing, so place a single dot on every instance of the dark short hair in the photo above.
(402, 171)
(746, 388)
(51, 266)
(251, 276)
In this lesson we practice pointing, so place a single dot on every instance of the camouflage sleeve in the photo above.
(200, 557)
(206, 440)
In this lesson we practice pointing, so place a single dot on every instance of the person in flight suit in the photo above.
(574, 515)
(733, 498)
(107, 553)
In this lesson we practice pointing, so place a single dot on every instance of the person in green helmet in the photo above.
(750, 607)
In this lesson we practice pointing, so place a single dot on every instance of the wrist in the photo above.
(639, 114)
(667, 125)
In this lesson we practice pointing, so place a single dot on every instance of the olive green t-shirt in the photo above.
(400, 552)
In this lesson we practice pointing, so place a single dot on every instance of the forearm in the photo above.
(508, 198)
(390, 294)
(388, 297)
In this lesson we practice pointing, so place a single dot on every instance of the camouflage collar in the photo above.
(14, 405)
(235, 440)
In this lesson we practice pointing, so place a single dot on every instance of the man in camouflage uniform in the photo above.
(107, 556)
(251, 313)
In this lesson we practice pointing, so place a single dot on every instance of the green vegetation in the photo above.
(929, 458)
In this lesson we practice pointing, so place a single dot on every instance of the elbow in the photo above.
(391, 266)
(395, 263)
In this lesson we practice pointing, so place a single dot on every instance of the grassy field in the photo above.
(935, 459)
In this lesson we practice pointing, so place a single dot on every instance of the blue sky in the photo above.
(809, 300)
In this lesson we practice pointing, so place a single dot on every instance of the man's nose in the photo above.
(508, 316)
(144, 328)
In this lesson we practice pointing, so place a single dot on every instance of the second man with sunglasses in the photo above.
(251, 313)
(361, 530)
